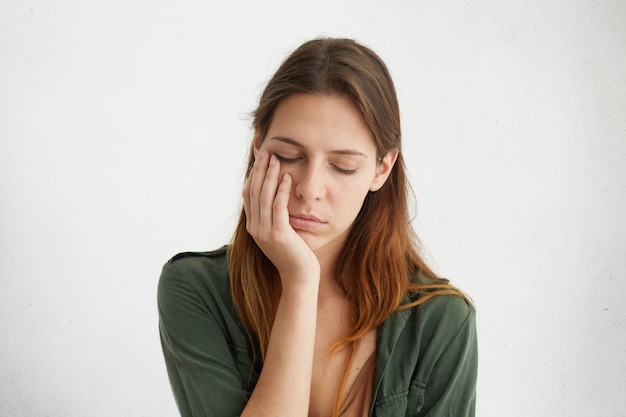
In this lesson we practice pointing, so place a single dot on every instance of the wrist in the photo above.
(300, 283)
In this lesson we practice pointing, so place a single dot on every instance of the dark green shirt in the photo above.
(426, 356)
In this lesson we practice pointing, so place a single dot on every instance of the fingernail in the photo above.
(272, 160)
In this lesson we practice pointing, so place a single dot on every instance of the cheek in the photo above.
(351, 195)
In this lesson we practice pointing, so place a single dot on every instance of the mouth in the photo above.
(305, 222)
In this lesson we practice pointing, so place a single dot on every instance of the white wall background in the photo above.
(123, 130)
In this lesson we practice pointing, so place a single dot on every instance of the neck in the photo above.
(328, 263)
(328, 257)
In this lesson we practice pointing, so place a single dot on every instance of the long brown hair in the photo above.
(381, 258)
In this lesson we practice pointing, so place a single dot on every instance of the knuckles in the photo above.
(278, 205)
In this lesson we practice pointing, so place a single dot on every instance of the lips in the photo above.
(305, 222)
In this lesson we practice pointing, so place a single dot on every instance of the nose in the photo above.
(309, 183)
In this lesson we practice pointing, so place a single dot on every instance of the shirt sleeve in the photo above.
(449, 388)
(200, 364)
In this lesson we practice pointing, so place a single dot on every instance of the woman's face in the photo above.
(324, 143)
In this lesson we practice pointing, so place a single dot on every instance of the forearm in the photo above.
(284, 385)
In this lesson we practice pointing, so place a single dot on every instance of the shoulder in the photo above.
(447, 307)
(215, 259)
(199, 274)
(455, 307)
(443, 317)
(439, 319)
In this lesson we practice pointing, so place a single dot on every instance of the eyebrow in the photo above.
(336, 151)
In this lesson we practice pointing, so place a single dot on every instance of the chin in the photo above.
(321, 245)
(312, 241)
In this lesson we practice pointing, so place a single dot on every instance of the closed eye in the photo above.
(284, 159)
(344, 171)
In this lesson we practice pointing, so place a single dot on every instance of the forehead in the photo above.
(321, 121)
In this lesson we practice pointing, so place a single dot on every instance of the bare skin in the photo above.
(284, 385)
(299, 210)
(334, 319)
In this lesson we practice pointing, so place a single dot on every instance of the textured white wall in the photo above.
(123, 129)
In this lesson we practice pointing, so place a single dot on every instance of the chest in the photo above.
(328, 370)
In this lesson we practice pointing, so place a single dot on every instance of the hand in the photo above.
(265, 200)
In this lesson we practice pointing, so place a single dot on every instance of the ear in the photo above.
(383, 169)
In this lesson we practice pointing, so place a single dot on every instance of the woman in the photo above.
(321, 305)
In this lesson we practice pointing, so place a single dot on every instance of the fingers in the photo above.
(265, 197)
(280, 212)
(268, 193)
(252, 191)
(248, 200)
